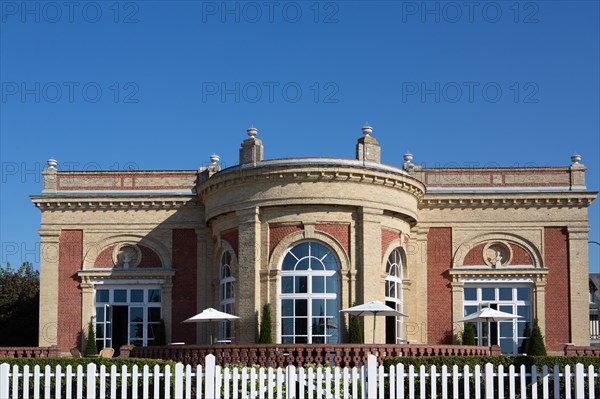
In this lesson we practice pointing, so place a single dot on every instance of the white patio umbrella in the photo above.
(210, 315)
(488, 315)
(374, 309)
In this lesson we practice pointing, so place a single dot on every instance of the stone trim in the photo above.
(46, 203)
(500, 200)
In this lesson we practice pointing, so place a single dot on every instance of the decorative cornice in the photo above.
(537, 273)
(508, 200)
(310, 172)
(48, 203)
(88, 275)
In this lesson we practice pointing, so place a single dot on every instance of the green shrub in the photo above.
(266, 333)
(468, 334)
(90, 347)
(355, 330)
(536, 342)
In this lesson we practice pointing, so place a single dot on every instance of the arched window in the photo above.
(310, 294)
(393, 296)
(226, 295)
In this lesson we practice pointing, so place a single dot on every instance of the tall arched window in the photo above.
(226, 295)
(310, 294)
(393, 296)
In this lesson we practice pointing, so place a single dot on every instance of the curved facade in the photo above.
(312, 236)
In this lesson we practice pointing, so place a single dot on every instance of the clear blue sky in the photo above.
(162, 85)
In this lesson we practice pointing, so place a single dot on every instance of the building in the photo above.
(311, 236)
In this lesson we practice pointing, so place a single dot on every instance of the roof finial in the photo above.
(575, 158)
(52, 163)
(367, 129)
(252, 131)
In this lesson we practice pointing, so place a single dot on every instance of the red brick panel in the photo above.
(231, 236)
(184, 284)
(70, 260)
(278, 232)
(475, 256)
(558, 315)
(149, 257)
(439, 293)
(520, 256)
(339, 231)
(105, 258)
(387, 236)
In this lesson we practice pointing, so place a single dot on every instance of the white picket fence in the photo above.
(370, 381)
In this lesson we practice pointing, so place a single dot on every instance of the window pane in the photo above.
(523, 311)
(301, 307)
(301, 326)
(153, 295)
(318, 284)
(318, 325)
(332, 308)
(506, 344)
(137, 295)
(99, 314)
(99, 331)
(505, 294)
(288, 340)
(470, 309)
(301, 250)
(318, 307)
(470, 294)
(505, 308)
(153, 315)
(488, 294)
(523, 329)
(301, 284)
(136, 330)
(287, 285)
(303, 264)
(102, 296)
(287, 307)
(136, 314)
(332, 284)
(288, 263)
(523, 294)
(330, 262)
(506, 329)
(287, 326)
(120, 295)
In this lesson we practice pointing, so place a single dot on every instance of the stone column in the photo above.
(539, 303)
(415, 299)
(87, 307)
(48, 316)
(369, 269)
(249, 261)
(579, 284)
(457, 305)
(167, 305)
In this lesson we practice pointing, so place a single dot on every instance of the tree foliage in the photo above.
(536, 341)
(266, 326)
(355, 331)
(19, 305)
(90, 347)
(468, 334)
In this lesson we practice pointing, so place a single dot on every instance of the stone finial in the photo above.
(252, 131)
(367, 129)
(214, 159)
(575, 158)
(52, 163)
(214, 166)
(408, 165)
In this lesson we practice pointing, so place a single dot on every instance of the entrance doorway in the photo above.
(119, 327)
(127, 316)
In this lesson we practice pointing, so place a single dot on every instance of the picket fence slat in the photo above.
(369, 381)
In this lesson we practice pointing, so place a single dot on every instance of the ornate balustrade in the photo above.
(29, 351)
(571, 350)
(282, 355)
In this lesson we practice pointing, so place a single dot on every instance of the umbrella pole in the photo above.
(374, 316)
(490, 336)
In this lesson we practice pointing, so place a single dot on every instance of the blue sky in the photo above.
(162, 85)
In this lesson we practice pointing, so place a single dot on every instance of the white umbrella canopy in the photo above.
(374, 308)
(209, 315)
(488, 315)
